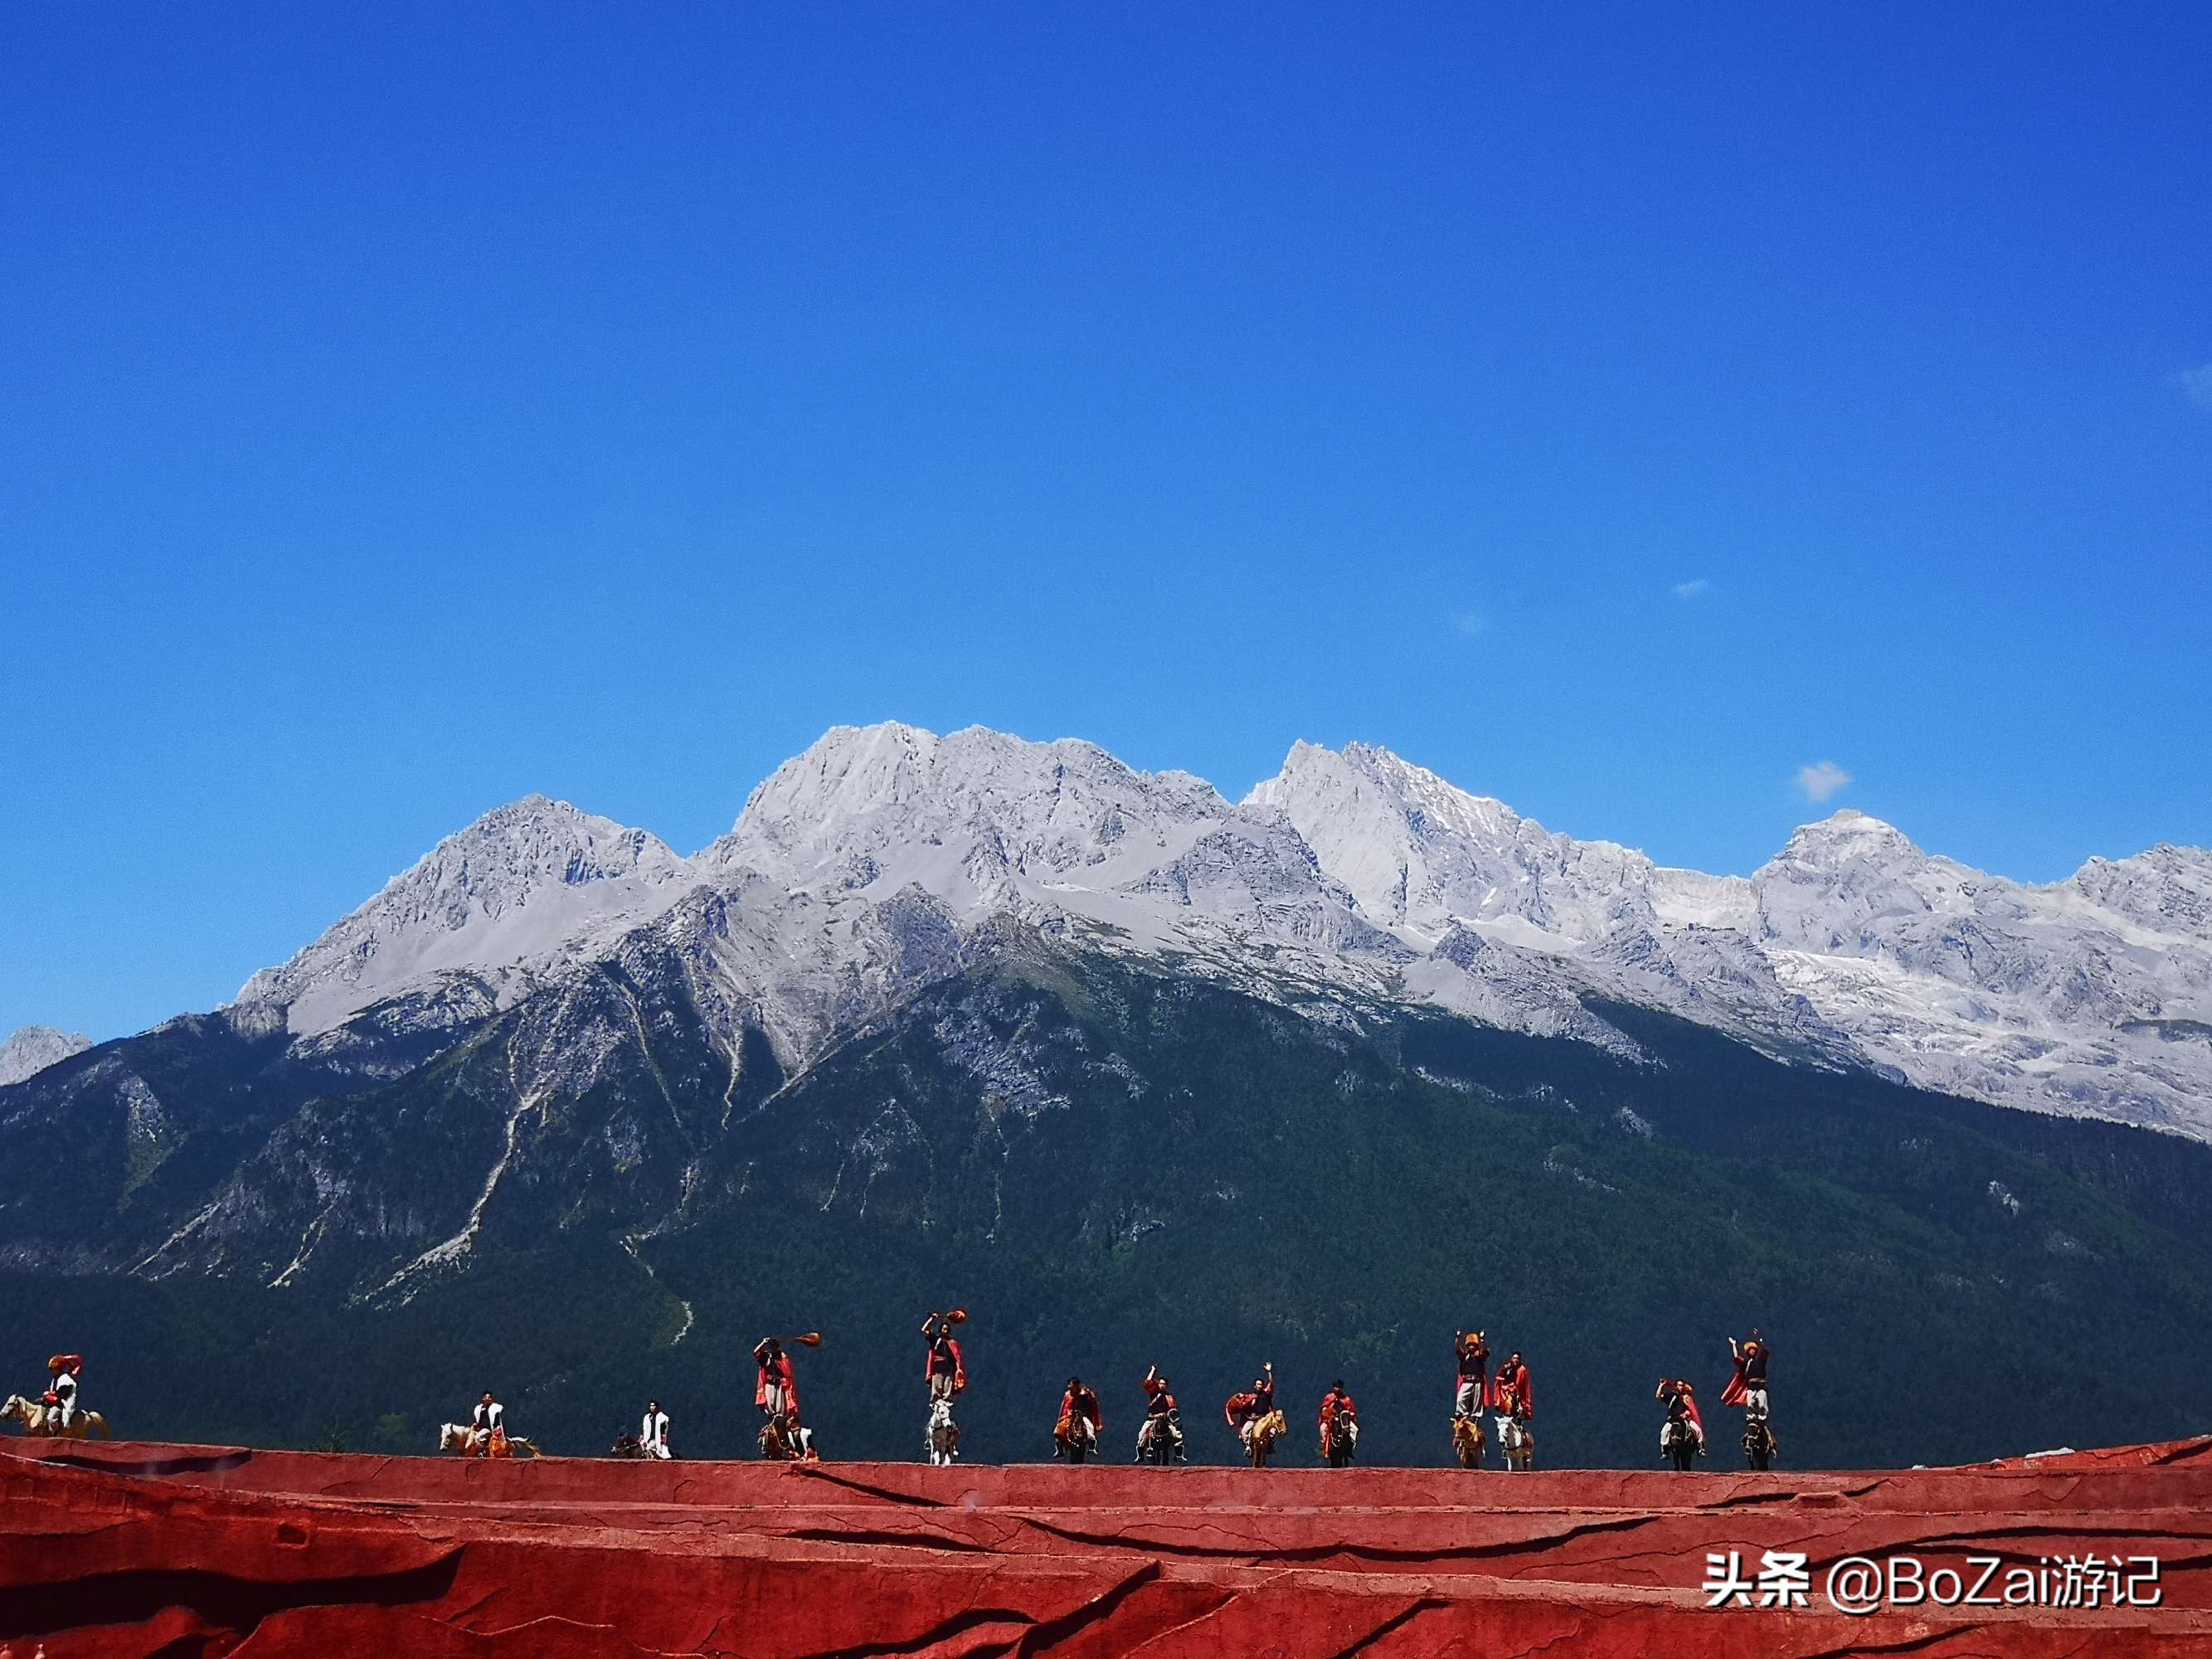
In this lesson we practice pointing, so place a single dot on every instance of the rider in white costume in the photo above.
(488, 1419)
(652, 1433)
(61, 1390)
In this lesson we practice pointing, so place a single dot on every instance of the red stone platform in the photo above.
(141, 1550)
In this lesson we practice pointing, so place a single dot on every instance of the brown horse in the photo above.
(39, 1420)
(1467, 1440)
(474, 1442)
(1266, 1432)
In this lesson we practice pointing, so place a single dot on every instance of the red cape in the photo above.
(780, 1366)
(1733, 1394)
(1091, 1409)
(1350, 1410)
(1515, 1378)
(959, 1368)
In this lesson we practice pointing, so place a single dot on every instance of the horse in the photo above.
(780, 1439)
(1159, 1438)
(942, 1439)
(1074, 1437)
(38, 1420)
(1259, 1445)
(1340, 1434)
(627, 1445)
(471, 1442)
(1467, 1440)
(1681, 1443)
(1517, 1442)
(1759, 1445)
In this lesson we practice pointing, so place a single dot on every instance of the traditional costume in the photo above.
(63, 1371)
(1471, 1355)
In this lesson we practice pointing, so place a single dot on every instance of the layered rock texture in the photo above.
(127, 1551)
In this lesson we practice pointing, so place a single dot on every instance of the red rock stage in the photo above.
(141, 1550)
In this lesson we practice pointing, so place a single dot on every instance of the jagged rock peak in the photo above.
(32, 1048)
(519, 881)
(862, 791)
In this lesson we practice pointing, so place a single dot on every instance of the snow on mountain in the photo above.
(879, 859)
(524, 883)
(32, 1048)
(2089, 995)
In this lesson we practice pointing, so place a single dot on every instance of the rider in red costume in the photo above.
(1336, 1399)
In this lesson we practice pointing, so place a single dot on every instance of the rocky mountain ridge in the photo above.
(30, 1048)
(859, 867)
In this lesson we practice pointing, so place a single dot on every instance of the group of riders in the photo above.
(1682, 1436)
(1506, 1393)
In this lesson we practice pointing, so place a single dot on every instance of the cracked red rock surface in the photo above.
(130, 1551)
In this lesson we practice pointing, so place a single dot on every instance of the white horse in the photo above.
(39, 1419)
(942, 1442)
(1517, 1441)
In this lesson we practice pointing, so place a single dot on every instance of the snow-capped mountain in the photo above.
(521, 887)
(2089, 995)
(32, 1048)
(874, 861)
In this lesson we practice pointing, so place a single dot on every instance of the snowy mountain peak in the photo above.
(898, 798)
(1850, 834)
(32, 1048)
(521, 881)
(1422, 853)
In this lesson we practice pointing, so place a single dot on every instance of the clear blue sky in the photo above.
(404, 411)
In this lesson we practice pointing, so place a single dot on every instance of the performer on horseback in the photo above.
(1082, 1420)
(1747, 1387)
(1246, 1410)
(487, 1424)
(1510, 1390)
(652, 1433)
(1162, 1422)
(776, 1391)
(1681, 1402)
(1513, 1400)
(60, 1399)
(1471, 1353)
(1337, 1403)
(943, 1370)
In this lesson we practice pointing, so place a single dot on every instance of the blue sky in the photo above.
(1616, 412)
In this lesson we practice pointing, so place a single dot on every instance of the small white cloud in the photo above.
(1691, 589)
(2196, 384)
(1821, 780)
(1470, 622)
